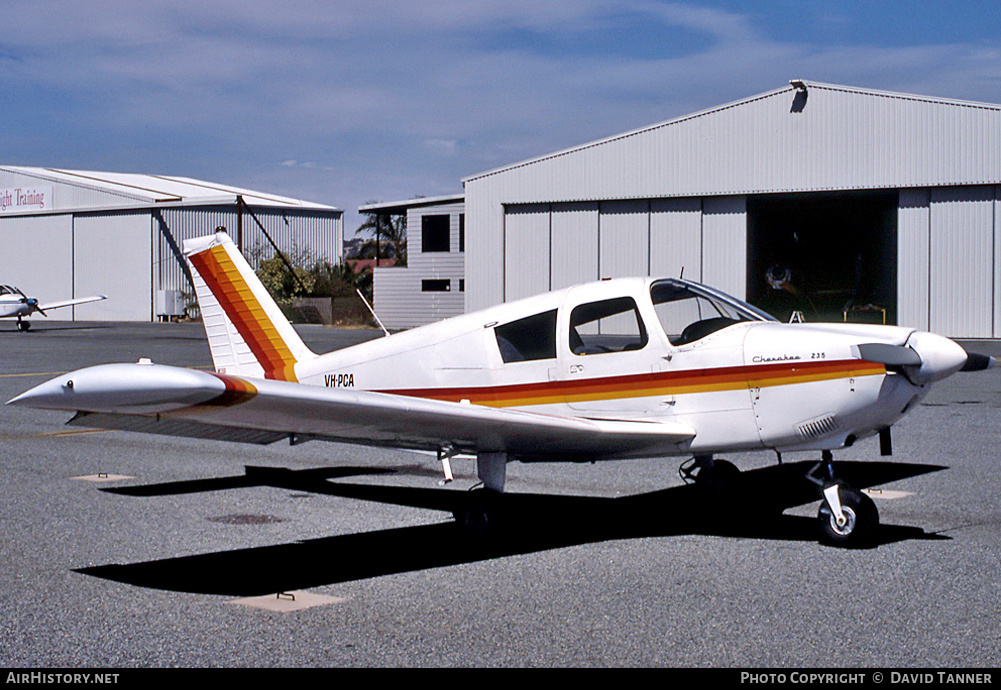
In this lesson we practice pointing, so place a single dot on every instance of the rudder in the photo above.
(248, 334)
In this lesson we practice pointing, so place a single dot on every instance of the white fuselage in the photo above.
(751, 385)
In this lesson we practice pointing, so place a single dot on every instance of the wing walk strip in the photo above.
(243, 309)
(643, 385)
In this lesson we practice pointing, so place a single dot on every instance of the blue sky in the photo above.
(347, 102)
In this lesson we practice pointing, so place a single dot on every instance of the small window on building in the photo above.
(462, 285)
(434, 233)
(462, 232)
(436, 285)
(612, 325)
(531, 338)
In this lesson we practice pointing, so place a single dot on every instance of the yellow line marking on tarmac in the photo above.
(40, 373)
(69, 432)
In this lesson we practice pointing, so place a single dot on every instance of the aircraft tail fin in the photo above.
(247, 332)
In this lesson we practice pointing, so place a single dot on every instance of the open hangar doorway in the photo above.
(826, 257)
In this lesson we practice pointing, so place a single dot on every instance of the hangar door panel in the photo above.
(912, 263)
(962, 270)
(526, 250)
(624, 239)
(676, 238)
(114, 258)
(575, 244)
(38, 259)
(724, 244)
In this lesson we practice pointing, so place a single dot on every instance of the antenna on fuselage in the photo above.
(374, 315)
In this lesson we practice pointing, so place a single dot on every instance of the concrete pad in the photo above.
(284, 602)
(103, 477)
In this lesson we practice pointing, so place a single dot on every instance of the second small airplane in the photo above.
(14, 303)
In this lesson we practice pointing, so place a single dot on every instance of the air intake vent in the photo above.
(817, 427)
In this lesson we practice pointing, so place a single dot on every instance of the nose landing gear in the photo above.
(848, 517)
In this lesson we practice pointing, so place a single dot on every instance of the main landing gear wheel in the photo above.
(858, 523)
(710, 474)
(481, 514)
(718, 476)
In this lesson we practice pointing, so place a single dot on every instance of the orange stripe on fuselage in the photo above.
(245, 311)
(646, 385)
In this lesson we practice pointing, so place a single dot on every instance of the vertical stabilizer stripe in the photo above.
(244, 310)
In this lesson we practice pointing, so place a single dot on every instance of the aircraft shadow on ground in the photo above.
(528, 523)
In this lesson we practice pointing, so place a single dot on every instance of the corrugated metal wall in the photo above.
(296, 232)
(129, 255)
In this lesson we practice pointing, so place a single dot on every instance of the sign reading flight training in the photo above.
(26, 199)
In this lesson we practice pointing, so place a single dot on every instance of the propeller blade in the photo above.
(978, 362)
(890, 355)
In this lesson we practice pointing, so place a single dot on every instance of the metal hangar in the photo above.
(813, 200)
(69, 233)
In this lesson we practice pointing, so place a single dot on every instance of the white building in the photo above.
(68, 233)
(835, 201)
(432, 285)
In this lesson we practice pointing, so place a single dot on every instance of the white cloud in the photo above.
(386, 99)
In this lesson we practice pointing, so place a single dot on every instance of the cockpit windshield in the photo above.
(690, 311)
(9, 290)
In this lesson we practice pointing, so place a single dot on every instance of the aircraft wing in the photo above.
(185, 402)
(70, 302)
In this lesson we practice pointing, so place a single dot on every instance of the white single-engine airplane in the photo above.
(618, 369)
(13, 302)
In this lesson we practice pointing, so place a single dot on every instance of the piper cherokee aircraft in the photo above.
(13, 302)
(617, 369)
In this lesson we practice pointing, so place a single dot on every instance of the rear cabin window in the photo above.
(531, 338)
(612, 325)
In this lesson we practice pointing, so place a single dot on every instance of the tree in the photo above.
(389, 237)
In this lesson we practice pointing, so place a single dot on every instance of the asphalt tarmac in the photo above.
(127, 550)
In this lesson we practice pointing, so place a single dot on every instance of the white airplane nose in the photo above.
(940, 357)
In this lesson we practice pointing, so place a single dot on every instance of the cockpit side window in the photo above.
(530, 338)
(612, 325)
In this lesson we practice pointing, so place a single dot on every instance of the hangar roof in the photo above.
(109, 189)
(807, 136)
(394, 207)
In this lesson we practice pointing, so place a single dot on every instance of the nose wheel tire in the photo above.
(861, 518)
